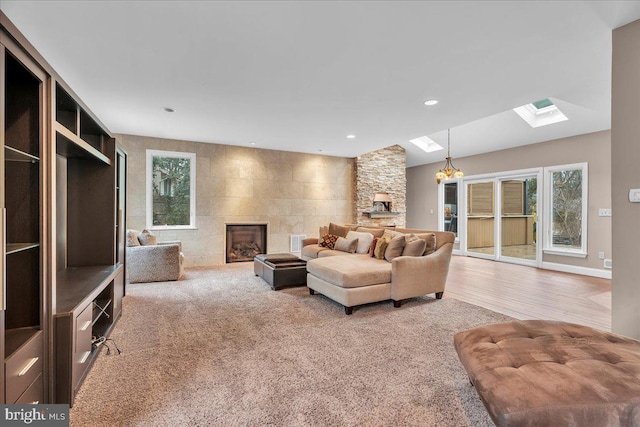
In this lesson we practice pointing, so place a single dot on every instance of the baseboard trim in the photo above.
(585, 271)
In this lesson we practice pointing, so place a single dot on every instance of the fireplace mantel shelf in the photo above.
(381, 214)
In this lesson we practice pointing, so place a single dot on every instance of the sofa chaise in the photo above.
(353, 279)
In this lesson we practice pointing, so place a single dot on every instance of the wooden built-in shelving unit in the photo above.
(64, 267)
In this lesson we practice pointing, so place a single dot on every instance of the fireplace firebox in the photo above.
(245, 241)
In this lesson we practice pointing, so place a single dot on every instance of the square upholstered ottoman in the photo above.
(547, 373)
(281, 270)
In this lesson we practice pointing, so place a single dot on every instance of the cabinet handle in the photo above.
(85, 357)
(86, 325)
(3, 256)
(28, 366)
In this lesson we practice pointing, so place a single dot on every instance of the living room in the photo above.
(295, 115)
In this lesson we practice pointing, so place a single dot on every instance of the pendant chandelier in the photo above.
(449, 171)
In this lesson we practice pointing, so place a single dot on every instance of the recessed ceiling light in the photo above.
(351, 136)
(426, 144)
(252, 143)
(430, 102)
(168, 110)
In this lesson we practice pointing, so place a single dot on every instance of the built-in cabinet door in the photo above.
(22, 130)
(121, 200)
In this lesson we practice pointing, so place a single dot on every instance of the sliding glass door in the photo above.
(518, 216)
(480, 228)
(500, 217)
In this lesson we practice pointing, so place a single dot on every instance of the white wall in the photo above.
(625, 150)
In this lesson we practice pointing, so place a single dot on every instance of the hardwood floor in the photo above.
(530, 293)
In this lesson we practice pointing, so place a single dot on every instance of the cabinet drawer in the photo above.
(83, 330)
(23, 367)
(33, 395)
(82, 344)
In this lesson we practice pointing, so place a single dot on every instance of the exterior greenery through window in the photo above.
(170, 189)
(567, 212)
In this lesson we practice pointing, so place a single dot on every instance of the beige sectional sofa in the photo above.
(353, 279)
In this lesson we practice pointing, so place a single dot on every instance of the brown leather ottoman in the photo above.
(281, 270)
(548, 373)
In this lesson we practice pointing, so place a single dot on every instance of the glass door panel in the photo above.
(451, 207)
(480, 218)
(518, 218)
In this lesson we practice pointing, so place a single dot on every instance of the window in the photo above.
(540, 113)
(566, 210)
(171, 183)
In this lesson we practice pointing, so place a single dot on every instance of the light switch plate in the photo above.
(634, 195)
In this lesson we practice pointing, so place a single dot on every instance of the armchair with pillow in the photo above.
(151, 261)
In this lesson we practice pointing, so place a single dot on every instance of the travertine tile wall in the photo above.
(294, 193)
(382, 170)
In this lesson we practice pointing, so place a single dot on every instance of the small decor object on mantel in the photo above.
(381, 206)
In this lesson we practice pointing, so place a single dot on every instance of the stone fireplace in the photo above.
(244, 241)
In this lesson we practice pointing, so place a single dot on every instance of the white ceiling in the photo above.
(300, 76)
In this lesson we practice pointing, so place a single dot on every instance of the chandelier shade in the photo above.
(448, 171)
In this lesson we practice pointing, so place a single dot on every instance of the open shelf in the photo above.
(100, 308)
(66, 110)
(71, 146)
(78, 284)
(15, 338)
(13, 248)
(14, 155)
(90, 131)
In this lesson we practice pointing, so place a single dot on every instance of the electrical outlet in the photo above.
(601, 255)
(608, 263)
(605, 212)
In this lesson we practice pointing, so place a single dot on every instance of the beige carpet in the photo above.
(222, 349)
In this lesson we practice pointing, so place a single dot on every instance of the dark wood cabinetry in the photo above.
(62, 231)
(23, 319)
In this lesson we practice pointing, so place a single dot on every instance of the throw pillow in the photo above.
(381, 247)
(372, 249)
(377, 232)
(395, 247)
(147, 238)
(346, 245)
(414, 248)
(328, 241)
(338, 230)
(364, 241)
(430, 238)
(132, 238)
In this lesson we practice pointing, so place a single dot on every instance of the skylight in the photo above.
(426, 144)
(540, 113)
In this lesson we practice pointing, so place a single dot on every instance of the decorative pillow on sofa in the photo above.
(430, 238)
(346, 245)
(132, 238)
(338, 230)
(414, 247)
(147, 238)
(328, 241)
(372, 249)
(381, 247)
(364, 241)
(377, 232)
(395, 247)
